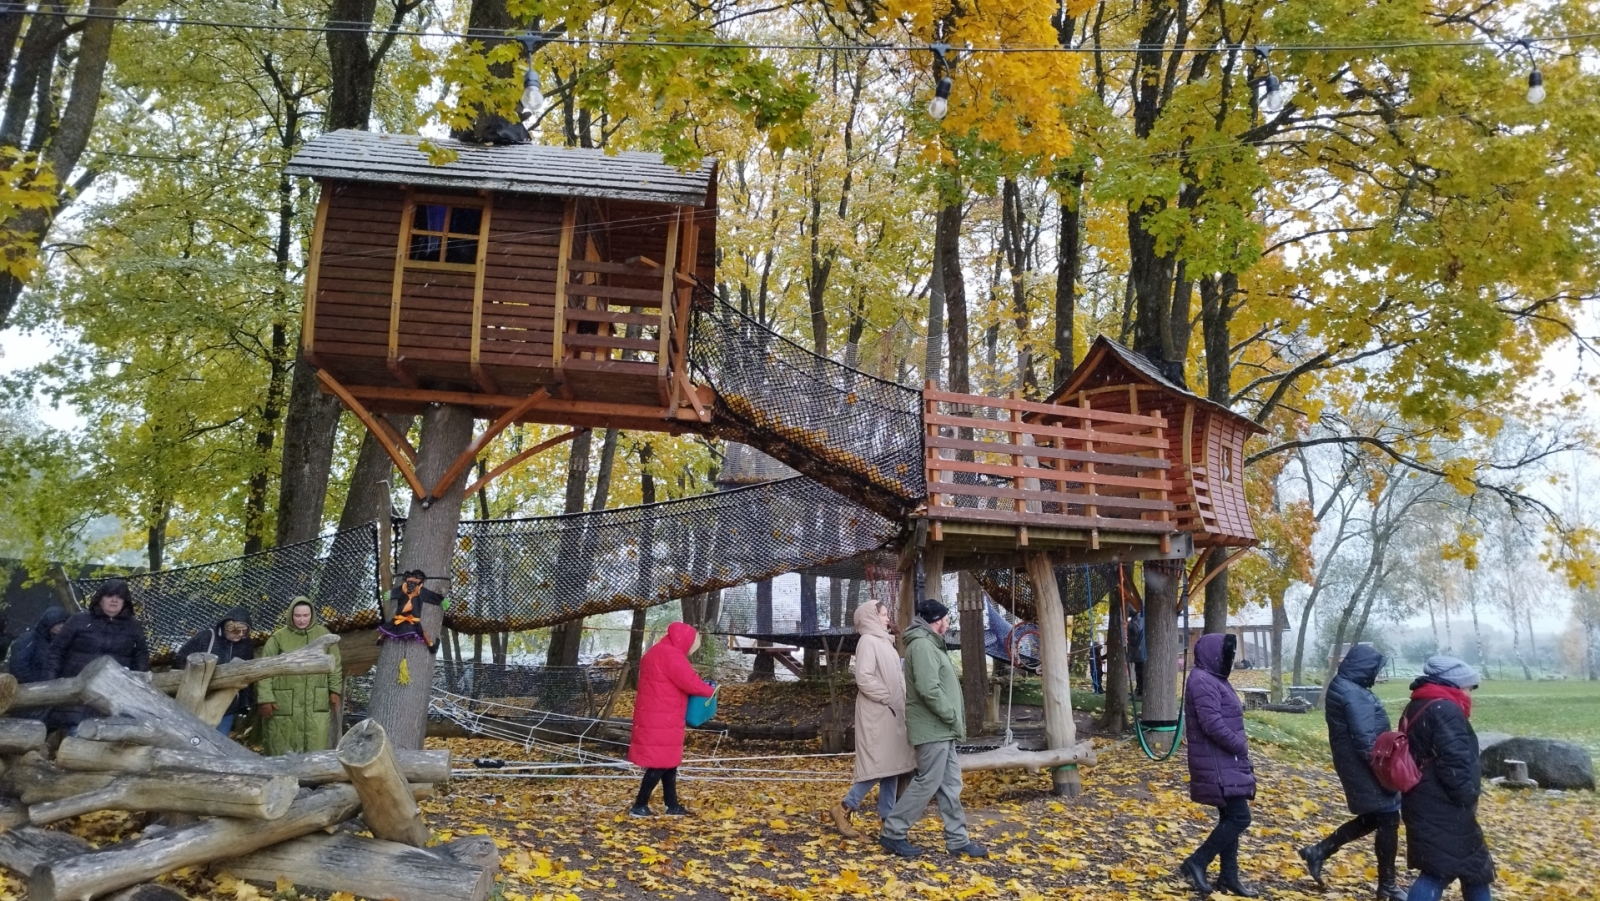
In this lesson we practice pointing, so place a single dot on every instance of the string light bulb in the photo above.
(532, 93)
(940, 104)
(1536, 92)
(1272, 102)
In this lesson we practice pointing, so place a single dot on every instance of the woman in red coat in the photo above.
(666, 681)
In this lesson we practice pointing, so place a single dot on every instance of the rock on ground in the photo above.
(1551, 763)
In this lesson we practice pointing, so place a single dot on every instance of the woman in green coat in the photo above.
(297, 710)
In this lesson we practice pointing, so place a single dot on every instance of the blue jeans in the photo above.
(226, 726)
(886, 790)
(1429, 887)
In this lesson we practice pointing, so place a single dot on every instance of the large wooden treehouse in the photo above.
(554, 285)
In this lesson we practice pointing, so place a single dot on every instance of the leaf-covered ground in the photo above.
(1120, 840)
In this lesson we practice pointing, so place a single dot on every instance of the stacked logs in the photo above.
(150, 746)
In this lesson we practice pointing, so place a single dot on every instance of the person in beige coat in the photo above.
(882, 752)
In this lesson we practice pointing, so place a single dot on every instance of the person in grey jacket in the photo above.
(934, 723)
(1355, 720)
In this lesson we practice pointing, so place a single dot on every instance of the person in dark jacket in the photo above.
(1220, 773)
(1355, 720)
(106, 629)
(1443, 840)
(1136, 652)
(228, 640)
(30, 656)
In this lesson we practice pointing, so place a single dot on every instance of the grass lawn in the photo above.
(1568, 710)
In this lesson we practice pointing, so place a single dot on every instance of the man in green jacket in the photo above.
(297, 710)
(934, 723)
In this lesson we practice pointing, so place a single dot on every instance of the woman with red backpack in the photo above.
(1443, 839)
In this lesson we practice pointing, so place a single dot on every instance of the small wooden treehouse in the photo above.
(1204, 440)
(537, 284)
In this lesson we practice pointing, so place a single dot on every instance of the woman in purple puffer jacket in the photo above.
(1219, 764)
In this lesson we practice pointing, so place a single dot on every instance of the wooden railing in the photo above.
(1019, 462)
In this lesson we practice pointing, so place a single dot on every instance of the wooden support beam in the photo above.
(210, 794)
(469, 456)
(1055, 655)
(132, 862)
(519, 458)
(569, 220)
(386, 803)
(308, 319)
(479, 374)
(314, 768)
(462, 870)
(402, 459)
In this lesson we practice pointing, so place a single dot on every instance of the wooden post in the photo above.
(462, 870)
(974, 659)
(195, 678)
(132, 862)
(212, 794)
(386, 803)
(1011, 757)
(1055, 655)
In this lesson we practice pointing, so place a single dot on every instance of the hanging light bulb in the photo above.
(532, 96)
(1536, 93)
(940, 104)
(1272, 102)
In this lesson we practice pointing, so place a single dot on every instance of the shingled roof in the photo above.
(363, 156)
(1141, 369)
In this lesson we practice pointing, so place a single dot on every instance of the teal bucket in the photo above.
(701, 710)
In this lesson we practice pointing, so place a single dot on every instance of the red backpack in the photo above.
(1391, 758)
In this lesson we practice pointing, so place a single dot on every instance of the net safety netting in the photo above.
(857, 433)
(572, 690)
(512, 575)
(1081, 587)
(338, 572)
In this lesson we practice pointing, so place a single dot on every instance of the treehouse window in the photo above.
(443, 233)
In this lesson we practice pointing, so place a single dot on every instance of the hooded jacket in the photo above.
(1219, 755)
(1441, 813)
(304, 706)
(1355, 720)
(933, 691)
(215, 642)
(90, 635)
(30, 656)
(666, 681)
(882, 749)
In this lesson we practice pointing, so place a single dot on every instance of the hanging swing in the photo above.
(1145, 728)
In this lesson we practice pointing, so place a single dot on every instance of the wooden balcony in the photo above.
(1007, 473)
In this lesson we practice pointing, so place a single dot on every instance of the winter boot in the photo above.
(1195, 875)
(1315, 856)
(841, 819)
(1231, 884)
(1389, 882)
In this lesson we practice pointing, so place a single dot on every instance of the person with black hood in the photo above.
(1443, 839)
(1355, 720)
(1220, 773)
(228, 640)
(30, 655)
(106, 629)
(1135, 651)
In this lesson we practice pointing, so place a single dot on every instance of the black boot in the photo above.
(1196, 876)
(1315, 856)
(1389, 882)
(1230, 883)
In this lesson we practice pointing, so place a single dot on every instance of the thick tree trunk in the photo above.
(310, 425)
(763, 669)
(386, 803)
(368, 493)
(208, 794)
(21, 736)
(24, 848)
(132, 862)
(1070, 264)
(1162, 584)
(948, 234)
(974, 660)
(404, 674)
(1055, 658)
(462, 870)
(566, 639)
(1115, 719)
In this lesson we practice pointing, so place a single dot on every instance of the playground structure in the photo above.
(567, 287)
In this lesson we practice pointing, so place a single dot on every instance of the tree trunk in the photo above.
(132, 862)
(24, 848)
(1162, 584)
(462, 870)
(368, 492)
(21, 736)
(8, 692)
(1115, 719)
(566, 638)
(1070, 264)
(974, 659)
(310, 426)
(948, 235)
(1055, 658)
(1216, 617)
(763, 669)
(808, 618)
(403, 678)
(386, 803)
(208, 794)
(312, 660)
(311, 769)
(1011, 757)
(105, 686)
(1280, 624)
